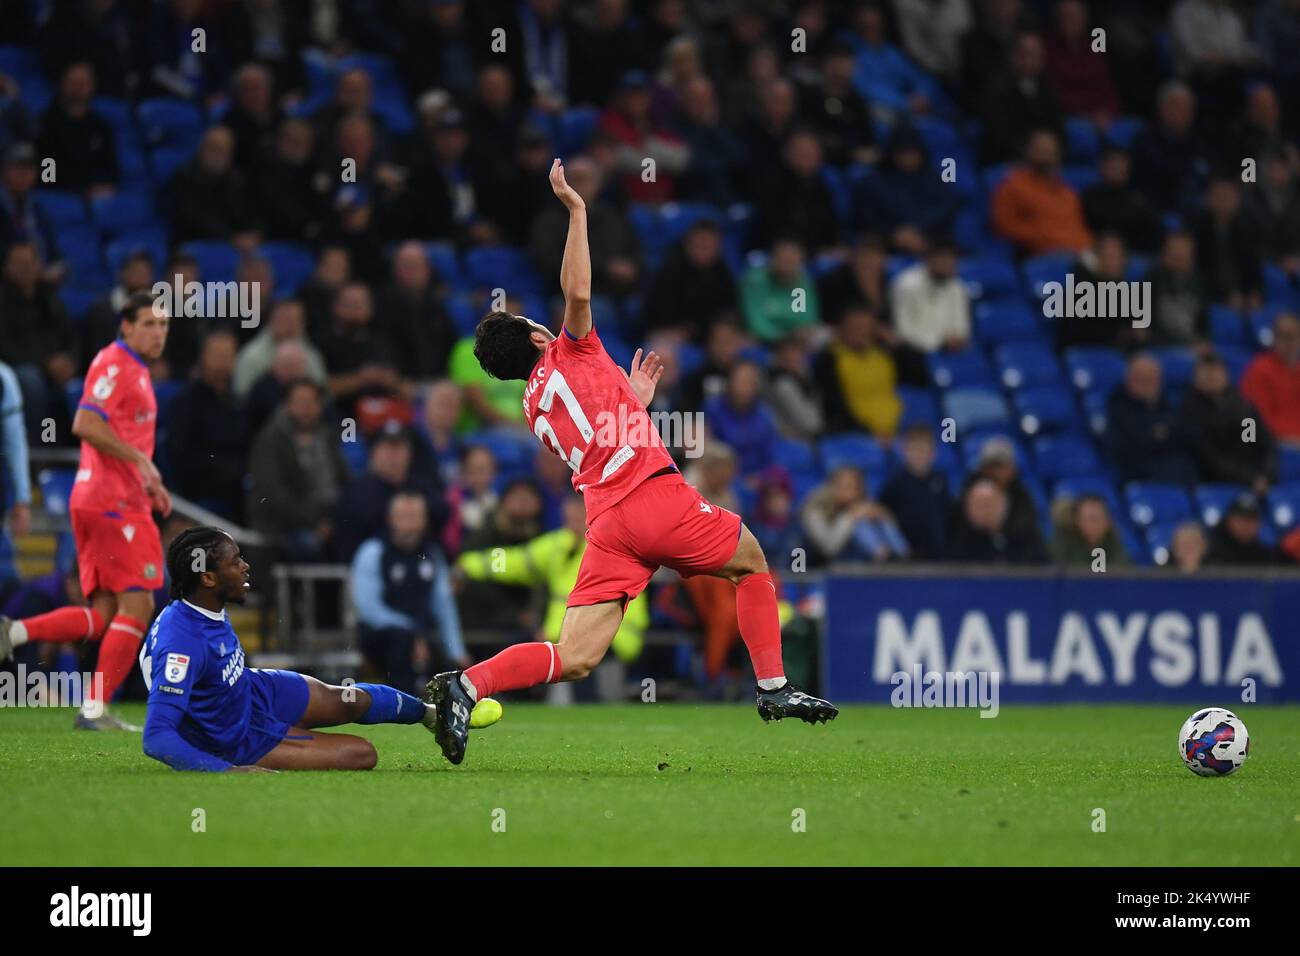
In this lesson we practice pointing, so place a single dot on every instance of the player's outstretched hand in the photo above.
(644, 375)
(566, 193)
(249, 768)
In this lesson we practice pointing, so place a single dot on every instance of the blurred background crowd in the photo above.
(836, 222)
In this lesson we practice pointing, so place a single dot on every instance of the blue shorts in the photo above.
(279, 701)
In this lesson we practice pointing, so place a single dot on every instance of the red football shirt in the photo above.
(579, 404)
(119, 390)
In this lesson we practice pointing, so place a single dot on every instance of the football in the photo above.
(1213, 742)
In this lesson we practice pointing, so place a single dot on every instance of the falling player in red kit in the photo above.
(641, 514)
(119, 551)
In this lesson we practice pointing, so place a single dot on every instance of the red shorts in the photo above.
(117, 553)
(664, 521)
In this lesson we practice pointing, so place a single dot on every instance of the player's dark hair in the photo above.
(180, 557)
(503, 347)
(136, 301)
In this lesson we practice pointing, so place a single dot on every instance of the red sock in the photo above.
(65, 625)
(117, 655)
(517, 667)
(760, 627)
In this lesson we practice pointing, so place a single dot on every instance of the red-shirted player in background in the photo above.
(119, 551)
(640, 512)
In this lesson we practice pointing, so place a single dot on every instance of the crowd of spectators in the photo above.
(828, 217)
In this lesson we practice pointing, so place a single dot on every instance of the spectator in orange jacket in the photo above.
(1272, 380)
(1037, 210)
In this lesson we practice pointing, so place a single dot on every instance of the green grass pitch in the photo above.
(677, 784)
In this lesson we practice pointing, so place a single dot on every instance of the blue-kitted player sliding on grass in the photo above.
(208, 711)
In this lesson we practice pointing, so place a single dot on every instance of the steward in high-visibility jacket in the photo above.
(553, 559)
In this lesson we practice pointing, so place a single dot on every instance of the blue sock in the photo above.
(388, 705)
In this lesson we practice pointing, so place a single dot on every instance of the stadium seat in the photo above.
(164, 162)
(218, 261)
(78, 301)
(1021, 365)
(356, 454)
(1040, 270)
(970, 447)
(1261, 323)
(572, 129)
(1213, 499)
(1046, 409)
(1284, 505)
(997, 323)
(860, 451)
(444, 259)
(1123, 131)
(1236, 359)
(151, 239)
(463, 313)
(1095, 369)
(974, 408)
(1227, 328)
(1150, 502)
(1080, 178)
(291, 264)
(1099, 485)
(1288, 464)
(1159, 539)
(841, 193)
(919, 405)
(505, 267)
(1176, 366)
(56, 487)
(1082, 141)
(118, 113)
(964, 369)
(167, 121)
(122, 211)
(1065, 456)
(61, 207)
(1095, 410)
(513, 450)
(1279, 288)
(989, 277)
(794, 456)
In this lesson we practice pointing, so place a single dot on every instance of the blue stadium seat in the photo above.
(971, 446)
(168, 121)
(1288, 464)
(1284, 505)
(1136, 547)
(463, 313)
(919, 405)
(572, 129)
(1065, 456)
(794, 456)
(1227, 327)
(997, 323)
(122, 211)
(356, 454)
(1080, 178)
(1159, 539)
(56, 487)
(989, 277)
(1236, 359)
(1051, 267)
(975, 408)
(1123, 131)
(392, 107)
(967, 368)
(502, 267)
(1150, 502)
(860, 451)
(1213, 499)
(841, 193)
(444, 259)
(1261, 323)
(1082, 142)
(1022, 365)
(1095, 369)
(1046, 409)
(218, 261)
(152, 239)
(1176, 365)
(512, 449)
(133, 168)
(78, 301)
(1099, 485)
(1279, 288)
(164, 162)
(61, 207)
(291, 264)
(118, 113)
(1095, 410)
(72, 390)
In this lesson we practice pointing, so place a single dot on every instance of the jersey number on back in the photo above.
(556, 385)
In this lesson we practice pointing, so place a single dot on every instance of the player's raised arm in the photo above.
(575, 270)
